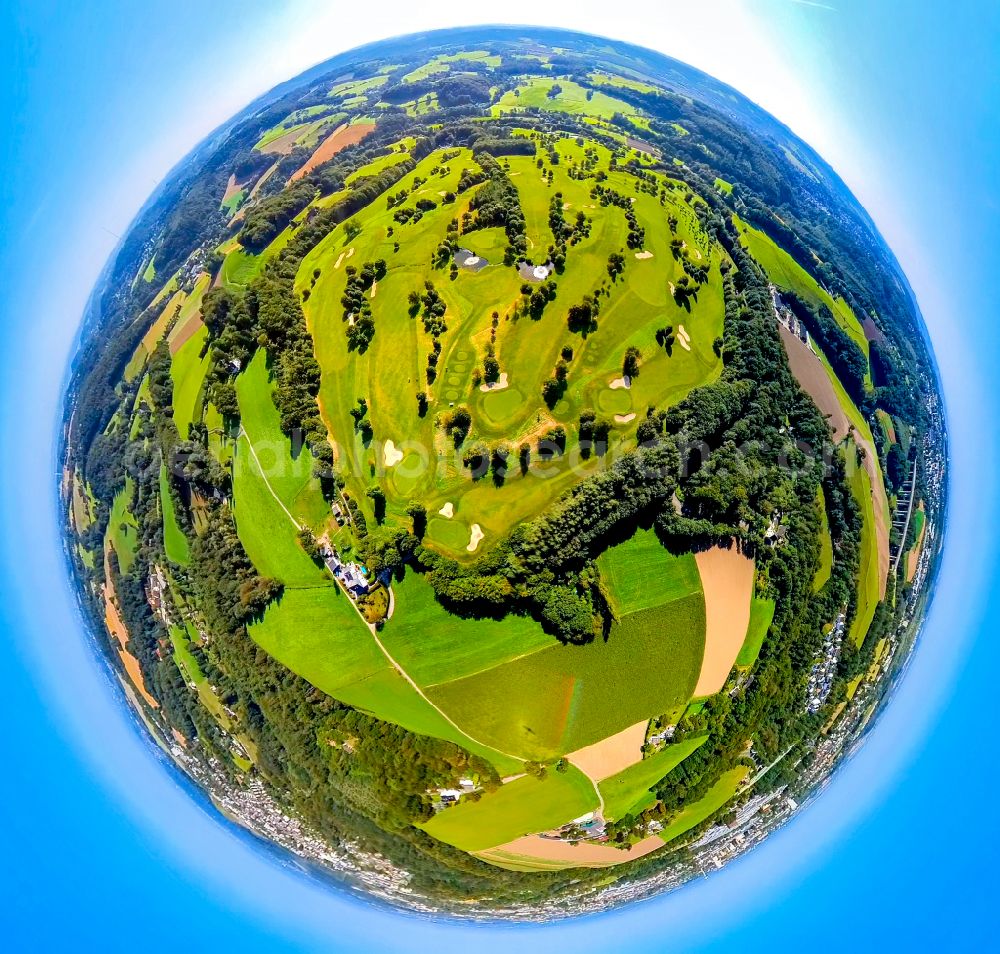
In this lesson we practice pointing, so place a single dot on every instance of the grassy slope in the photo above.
(522, 807)
(435, 646)
(442, 64)
(868, 580)
(761, 614)
(628, 791)
(174, 540)
(122, 528)
(265, 529)
(825, 548)
(188, 369)
(785, 272)
(640, 573)
(697, 812)
(317, 634)
(572, 99)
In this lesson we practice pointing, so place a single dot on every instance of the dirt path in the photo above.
(727, 578)
(583, 854)
(374, 632)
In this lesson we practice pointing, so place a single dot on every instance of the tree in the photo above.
(418, 513)
(377, 495)
(630, 366)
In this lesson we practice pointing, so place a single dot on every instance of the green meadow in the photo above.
(697, 812)
(571, 99)
(825, 547)
(122, 528)
(868, 574)
(174, 540)
(628, 792)
(526, 806)
(761, 614)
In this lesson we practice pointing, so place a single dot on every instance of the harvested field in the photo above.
(727, 577)
(811, 374)
(613, 754)
(522, 851)
(913, 557)
(342, 137)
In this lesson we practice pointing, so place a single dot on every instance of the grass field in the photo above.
(785, 272)
(604, 79)
(641, 574)
(629, 790)
(825, 548)
(868, 580)
(525, 806)
(174, 540)
(122, 529)
(697, 812)
(572, 99)
(563, 698)
(723, 186)
(435, 646)
(761, 614)
(316, 632)
(188, 369)
(444, 63)
(264, 526)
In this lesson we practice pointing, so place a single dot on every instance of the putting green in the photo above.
(499, 406)
(450, 534)
(618, 401)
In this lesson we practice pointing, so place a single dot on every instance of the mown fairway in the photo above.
(522, 807)
(390, 372)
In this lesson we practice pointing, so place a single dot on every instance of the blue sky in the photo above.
(100, 846)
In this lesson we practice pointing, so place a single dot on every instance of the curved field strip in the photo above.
(727, 577)
(346, 135)
(815, 381)
(697, 812)
(871, 579)
(761, 615)
(188, 369)
(629, 790)
(825, 567)
(174, 540)
(534, 853)
(522, 807)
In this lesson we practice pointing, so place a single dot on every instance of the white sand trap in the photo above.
(611, 755)
(350, 252)
(684, 343)
(442, 194)
(673, 289)
(391, 455)
(475, 537)
(624, 382)
(567, 205)
(497, 385)
(682, 331)
(727, 578)
(624, 418)
(642, 256)
(374, 289)
(448, 510)
(697, 253)
(340, 259)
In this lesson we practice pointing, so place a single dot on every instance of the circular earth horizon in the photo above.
(504, 469)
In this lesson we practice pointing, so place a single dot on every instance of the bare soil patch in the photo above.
(609, 756)
(583, 854)
(913, 557)
(727, 578)
(342, 137)
(811, 374)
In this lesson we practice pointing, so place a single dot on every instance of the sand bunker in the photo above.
(727, 577)
(374, 289)
(624, 418)
(643, 255)
(448, 510)
(624, 382)
(583, 854)
(683, 338)
(474, 538)
(497, 385)
(391, 455)
(609, 756)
